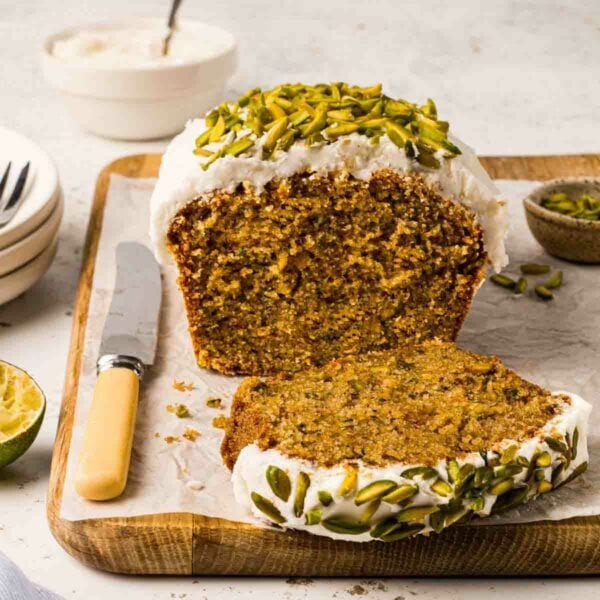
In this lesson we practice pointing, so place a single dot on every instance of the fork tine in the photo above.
(4, 179)
(19, 186)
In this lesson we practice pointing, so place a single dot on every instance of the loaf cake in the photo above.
(391, 444)
(313, 222)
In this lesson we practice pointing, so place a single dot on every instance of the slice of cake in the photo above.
(312, 222)
(391, 444)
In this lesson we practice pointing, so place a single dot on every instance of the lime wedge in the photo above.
(22, 406)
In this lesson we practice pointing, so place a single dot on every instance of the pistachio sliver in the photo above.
(318, 122)
(521, 286)
(415, 513)
(441, 487)
(423, 472)
(313, 516)
(453, 471)
(555, 281)
(349, 482)
(503, 281)
(338, 130)
(508, 454)
(373, 491)
(239, 146)
(302, 485)
(267, 508)
(279, 482)
(402, 533)
(543, 292)
(218, 130)
(325, 498)
(557, 445)
(276, 131)
(543, 460)
(402, 492)
(369, 511)
(502, 487)
(534, 269)
(544, 487)
(203, 138)
(436, 521)
(339, 524)
(574, 443)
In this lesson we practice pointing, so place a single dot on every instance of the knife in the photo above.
(127, 347)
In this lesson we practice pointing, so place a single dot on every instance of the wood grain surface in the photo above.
(185, 543)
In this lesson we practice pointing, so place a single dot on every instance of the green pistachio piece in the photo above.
(349, 482)
(423, 472)
(203, 138)
(218, 130)
(441, 487)
(325, 498)
(521, 286)
(302, 485)
(267, 508)
(465, 477)
(555, 281)
(557, 445)
(279, 482)
(373, 491)
(503, 486)
(344, 114)
(286, 140)
(544, 460)
(436, 521)
(202, 152)
(402, 533)
(453, 471)
(534, 269)
(557, 472)
(426, 158)
(574, 443)
(313, 516)
(368, 513)
(581, 468)
(214, 156)
(338, 130)
(503, 281)
(298, 117)
(415, 514)
(396, 108)
(402, 492)
(340, 524)
(318, 122)
(384, 527)
(539, 474)
(544, 487)
(543, 292)
(477, 504)
(276, 131)
(504, 471)
(239, 146)
(398, 134)
(455, 516)
(483, 476)
(508, 454)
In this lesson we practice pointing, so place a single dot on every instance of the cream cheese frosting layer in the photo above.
(249, 476)
(182, 180)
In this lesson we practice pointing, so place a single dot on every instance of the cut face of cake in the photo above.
(391, 444)
(313, 222)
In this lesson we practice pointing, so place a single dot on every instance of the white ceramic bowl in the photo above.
(15, 283)
(147, 102)
(17, 255)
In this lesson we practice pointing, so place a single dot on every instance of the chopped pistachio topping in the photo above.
(321, 114)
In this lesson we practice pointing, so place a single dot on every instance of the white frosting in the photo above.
(126, 47)
(182, 180)
(249, 476)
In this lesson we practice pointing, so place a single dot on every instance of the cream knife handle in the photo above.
(108, 435)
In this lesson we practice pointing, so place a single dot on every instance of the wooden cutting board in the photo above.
(185, 543)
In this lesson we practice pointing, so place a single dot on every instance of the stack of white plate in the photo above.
(28, 242)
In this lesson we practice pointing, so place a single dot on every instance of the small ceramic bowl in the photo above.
(573, 239)
(142, 102)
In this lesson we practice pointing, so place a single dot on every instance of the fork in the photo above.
(9, 208)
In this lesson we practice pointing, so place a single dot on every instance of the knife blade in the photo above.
(127, 347)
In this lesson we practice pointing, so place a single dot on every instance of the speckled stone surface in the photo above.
(577, 240)
(513, 77)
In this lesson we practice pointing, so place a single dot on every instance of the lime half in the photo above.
(22, 406)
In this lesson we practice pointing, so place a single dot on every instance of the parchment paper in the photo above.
(555, 344)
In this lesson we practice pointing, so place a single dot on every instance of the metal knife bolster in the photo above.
(109, 361)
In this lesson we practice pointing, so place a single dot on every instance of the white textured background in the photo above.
(513, 77)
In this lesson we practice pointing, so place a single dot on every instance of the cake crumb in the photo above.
(191, 434)
(171, 438)
(220, 422)
(213, 402)
(299, 581)
(182, 386)
(357, 590)
(181, 411)
(156, 434)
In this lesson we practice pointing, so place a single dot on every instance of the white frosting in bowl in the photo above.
(249, 476)
(182, 180)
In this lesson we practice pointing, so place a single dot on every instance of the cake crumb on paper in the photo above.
(191, 434)
(213, 402)
(182, 386)
(171, 439)
(220, 422)
(181, 411)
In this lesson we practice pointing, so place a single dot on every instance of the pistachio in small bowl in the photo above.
(560, 214)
